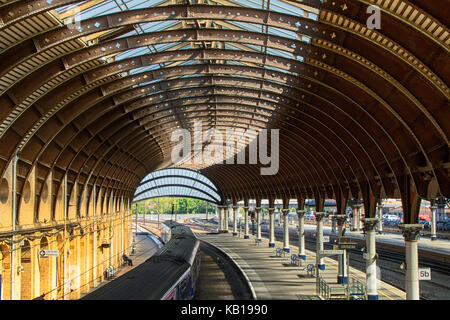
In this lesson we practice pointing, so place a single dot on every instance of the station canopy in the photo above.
(93, 90)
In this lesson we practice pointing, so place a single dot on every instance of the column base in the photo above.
(372, 297)
(235, 233)
(246, 236)
(271, 245)
(287, 250)
(321, 267)
(259, 240)
(433, 238)
(342, 280)
(302, 257)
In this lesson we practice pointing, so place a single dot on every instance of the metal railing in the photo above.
(323, 289)
(357, 290)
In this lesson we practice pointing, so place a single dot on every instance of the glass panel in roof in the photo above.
(133, 53)
(283, 33)
(254, 27)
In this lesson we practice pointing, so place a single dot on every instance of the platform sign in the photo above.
(349, 245)
(330, 252)
(424, 274)
(48, 253)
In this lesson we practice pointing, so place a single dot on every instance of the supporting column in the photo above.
(433, 223)
(246, 234)
(380, 218)
(358, 220)
(342, 259)
(286, 230)
(258, 224)
(235, 212)
(319, 239)
(220, 222)
(411, 234)
(225, 218)
(271, 227)
(353, 222)
(371, 258)
(301, 234)
(227, 221)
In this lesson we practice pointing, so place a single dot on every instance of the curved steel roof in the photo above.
(361, 112)
(178, 183)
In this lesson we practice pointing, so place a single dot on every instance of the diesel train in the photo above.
(170, 274)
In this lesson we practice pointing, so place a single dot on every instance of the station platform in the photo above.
(273, 277)
(438, 250)
(146, 246)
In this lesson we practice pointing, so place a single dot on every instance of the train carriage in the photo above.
(171, 274)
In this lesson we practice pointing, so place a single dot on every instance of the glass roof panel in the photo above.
(90, 9)
(189, 181)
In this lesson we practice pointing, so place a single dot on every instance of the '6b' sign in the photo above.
(424, 274)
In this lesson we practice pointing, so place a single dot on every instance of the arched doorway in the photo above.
(44, 270)
(26, 272)
(5, 273)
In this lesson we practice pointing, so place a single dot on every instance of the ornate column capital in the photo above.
(271, 210)
(301, 213)
(235, 208)
(433, 207)
(340, 219)
(411, 232)
(370, 223)
(285, 211)
(357, 205)
(245, 208)
(258, 209)
(319, 216)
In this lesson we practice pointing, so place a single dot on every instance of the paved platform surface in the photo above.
(146, 246)
(274, 277)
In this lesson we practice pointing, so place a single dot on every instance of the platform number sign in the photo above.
(424, 274)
